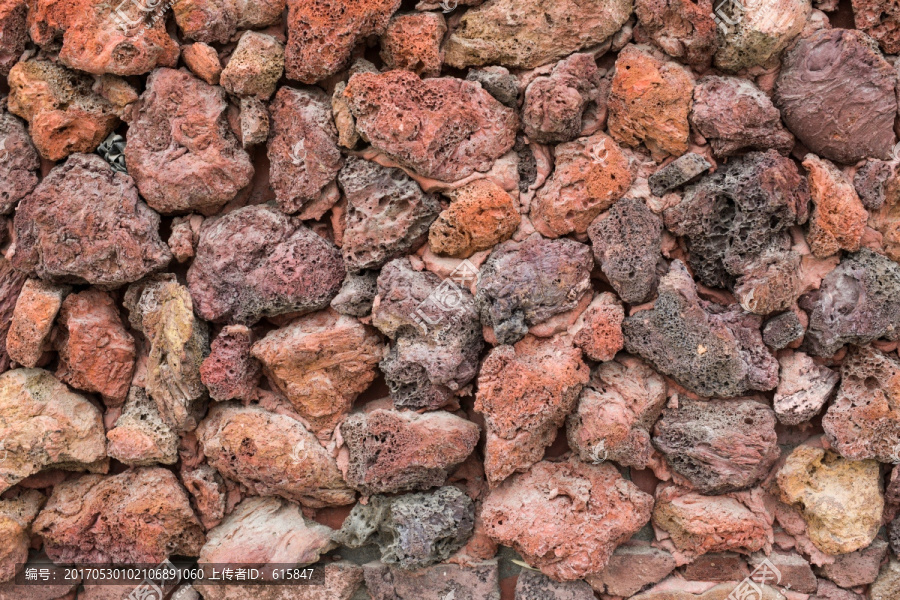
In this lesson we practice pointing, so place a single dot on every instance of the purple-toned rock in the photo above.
(630, 568)
(11, 282)
(357, 294)
(255, 66)
(257, 262)
(683, 29)
(229, 372)
(438, 582)
(218, 20)
(525, 283)
(796, 573)
(460, 128)
(783, 330)
(856, 568)
(388, 214)
(181, 152)
(303, 150)
(825, 79)
(532, 585)
(19, 162)
(710, 349)
(13, 35)
(803, 389)
(554, 103)
(140, 437)
(874, 182)
(85, 223)
(734, 115)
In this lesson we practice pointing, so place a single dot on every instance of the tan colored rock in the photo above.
(203, 61)
(16, 515)
(43, 425)
(255, 66)
(598, 331)
(140, 437)
(480, 216)
(32, 320)
(838, 218)
(761, 30)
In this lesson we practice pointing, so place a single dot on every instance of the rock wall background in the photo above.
(454, 300)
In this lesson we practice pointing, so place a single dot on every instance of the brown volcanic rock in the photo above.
(46, 425)
(203, 61)
(208, 492)
(256, 262)
(11, 282)
(85, 223)
(413, 42)
(836, 94)
(481, 215)
(218, 20)
(13, 35)
(566, 518)
(139, 516)
(529, 34)
(64, 114)
(525, 393)
(180, 150)
(229, 372)
(683, 29)
(32, 321)
(554, 104)
(460, 128)
(255, 66)
(18, 162)
(16, 515)
(838, 218)
(323, 33)
(271, 454)
(881, 20)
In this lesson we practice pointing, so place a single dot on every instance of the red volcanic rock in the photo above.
(460, 127)
(387, 451)
(881, 20)
(479, 580)
(271, 454)
(16, 515)
(18, 162)
(32, 320)
(630, 568)
(720, 446)
(683, 29)
(218, 20)
(538, 513)
(180, 151)
(85, 223)
(64, 115)
(207, 490)
(139, 516)
(184, 237)
(257, 262)
(803, 389)
(616, 412)
(229, 372)
(11, 282)
(203, 61)
(127, 38)
(302, 150)
(824, 79)
(140, 437)
(12, 33)
(255, 66)
(649, 102)
(598, 331)
(525, 392)
(590, 175)
(321, 363)
(481, 215)
(838, 219)
(413, 42)
(554, 104)
(323, 33)
(735, 115)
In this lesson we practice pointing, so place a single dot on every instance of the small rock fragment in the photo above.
(803, 389)
(140, 437)
(682, 29)
(207, 489)
(230, 372)
(11, 282)
(438, 582)
(630, 568)
(677, 173)
(203, 61)
(181, 240)
(413, 42)
(532, 585)
(498, 82)
(357, 293)
(598, 331)
(838, 218)
(781, 331)
(480, 216)
(212, 21)
(554, 104)
(19, 160)
(32, 320)
(254, 122)
(255, 66)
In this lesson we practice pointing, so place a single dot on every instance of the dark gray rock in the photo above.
(498, 82)
(781, 330)
(533, 585)
(678, 173)
(357, 293)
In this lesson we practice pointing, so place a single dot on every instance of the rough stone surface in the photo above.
(85, 223)
(413, 42)
(181, 152)
(18, 161)
(16, 515)
(389, 451)
(887, 585)
(271, 454)
(677, 173)
(460, 128)
(881, 20)
(838, 218)
(682, 29)
(139, 516)
(755, 31)
(857, 568)
(207, 490)
(203, 61)
(554, 104)
(140, 437)
(839, 499)
(499, 83)
(254, 122)
(357, 294)
(599, 328)
(11, 282)
(13, 35)
(537, 586)
(803, 389)
(255, 66)
(820, 87)
(630, 568)
(32, 320)
(525, 392)
(217, 20)
(229, 372)
(781, 331)
(256, 262)
(536, 512)
(480, 216)
(478, 580)
(874, 182)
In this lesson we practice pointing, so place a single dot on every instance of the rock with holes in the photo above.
(875, 182)
(803, 389)
(439, 582)
(887, 585)
(838, 218)
(480, 216)
(216, 21)
(413, 42)
(554, 103)
(881, 20)
(140, 437)
(32, 320)
(754, 32)
(13, 34)
(859, 567)
(19, 161)
(630, 568)
(357, 294)
(781, 331)
(598, 330)
(230, 372)
(255, 66)
(683, 29)
(11, 282)
(532, 585)
(684, 169)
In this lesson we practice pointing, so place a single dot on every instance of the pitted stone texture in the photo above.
(554, 103)
(414, 530)
(683, 29)
(64, 114)
(255, 66)
(840, 499)
(783, 330)
(229, 372)
(761, 30)
(875, 182)
(19, 161)
(856, 304)
(626, 245)
(390, 451)
(525, 283)
(271, 454)
(139, 516)
(266, 531)
(734, 115)
(537, 513)
(803, 389)
(413, 42)
(616, 412)
(435, 332)
(162, 310)
(203, 61)
(499, 83)
(323, 33)
(11, 282)
(357, 294)
(302, 148)
(525, 392)
(32, 320)
(649, 102)
(480, 216)
(710, 349)
(387, 216)
(590, 174)
(460, 128)
(181, 152)
(881, 20)
(598, 330)
(321, 363)
(677, 173)
(86, 224)
(45, 425)
(630, 568)
(438, 582)
(256, 262)
(838, 218)
(529, 34)
(140, 437)
(824, 80)
(720, 446)
(218, 20)
(13, 34)
(537, 586)
(101, 37)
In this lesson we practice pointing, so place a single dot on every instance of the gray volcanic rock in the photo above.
(677, 173)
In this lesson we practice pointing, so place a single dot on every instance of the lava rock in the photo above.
(857, 568)
(413, 42)
(683, 29)
(480, 216)
(13, 34)
(216, 21)
(16, 516)
(881, 20)
(803, 389)
(255, 66)
(19, 162)
(874, 182)
(140, 437)
(11, 282)
(438, 582)
(598, 330)
(677, 173)
(32, 320)
(838, 219)
(554, 103)
(203, 61)
(752, 33)
(783, 330)
(230, 372)
(498, 82)
(532, 585)
(357, 294)
(207, 490)
(887, 585)
(630, 568)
